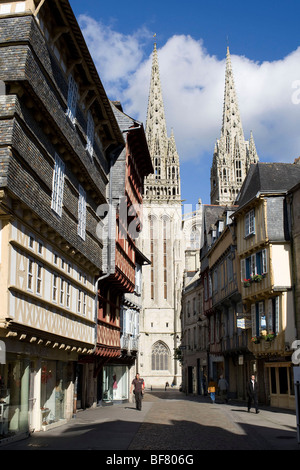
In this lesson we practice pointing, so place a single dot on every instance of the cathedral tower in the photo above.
(233, 154)
(161, 242)
(164, 185)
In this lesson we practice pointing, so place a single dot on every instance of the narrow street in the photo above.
(169, 421)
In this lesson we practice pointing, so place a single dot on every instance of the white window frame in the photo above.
(68, 295)
(72, 99)
(62, 292)
(30, 274)
(250, 223)
(82, 213)
(54, 287)
(58, 186)
(264, 261)
(39, 278)
(90, 132)
(79, 301)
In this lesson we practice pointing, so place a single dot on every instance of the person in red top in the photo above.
(137, 387)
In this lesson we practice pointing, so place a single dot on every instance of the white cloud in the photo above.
(193, 88)
(116, 55)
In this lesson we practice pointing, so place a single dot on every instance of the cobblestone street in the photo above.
(170, 421)
(185, 423)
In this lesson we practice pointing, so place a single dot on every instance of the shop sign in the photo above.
(243, 323)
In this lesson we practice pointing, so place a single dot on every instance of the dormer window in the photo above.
(58, 186)
(72, 99)
(250, 223)
(82, 213)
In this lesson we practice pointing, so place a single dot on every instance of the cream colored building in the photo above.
(264, 249)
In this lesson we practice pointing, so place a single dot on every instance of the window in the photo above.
(238, 171)
(31, 242)
(160, 357)
(62, 292)
(79, 301)
(250, 223)
(58, 185)
(258, 318)
(84, 303)
(54, 288)
(68, 296)
(254, 264)
(39, 279)
(90, 134)
(40, 248)
(81, 213)
(30, 274)
(72, 99)
(273, 315)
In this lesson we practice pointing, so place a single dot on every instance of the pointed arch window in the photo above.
(160, 356)
(227, 142)
(195, 238)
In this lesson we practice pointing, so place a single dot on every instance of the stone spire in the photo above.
(164, 184)
(233, 154)
(232, 124)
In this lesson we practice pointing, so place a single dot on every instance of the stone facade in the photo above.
(162, 243)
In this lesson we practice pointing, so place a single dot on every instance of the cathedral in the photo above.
(233, 155)
(162, 244)
(168, 239)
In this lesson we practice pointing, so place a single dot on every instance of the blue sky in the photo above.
(192, 38)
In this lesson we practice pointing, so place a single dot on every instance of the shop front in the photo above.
(54, 385)
(115, 384)
(14, 396)
(281, 384)
(35, 394)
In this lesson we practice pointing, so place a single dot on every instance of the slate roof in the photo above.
(268, 177)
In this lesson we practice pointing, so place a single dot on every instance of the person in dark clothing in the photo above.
(252, 389)
(137, 387)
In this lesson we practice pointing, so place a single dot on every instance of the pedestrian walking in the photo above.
(212, 389)
(252, 389)
(223, 389)
(137, 387)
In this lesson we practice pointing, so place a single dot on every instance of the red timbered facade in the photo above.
(132, 166)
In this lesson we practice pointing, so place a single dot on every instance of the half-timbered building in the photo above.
(59, 139)
(264, 249)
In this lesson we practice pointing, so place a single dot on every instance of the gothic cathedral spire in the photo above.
(162, 243)
(233, 154)
(165, 183)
